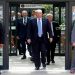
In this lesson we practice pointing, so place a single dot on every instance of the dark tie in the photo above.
(25, 21)
(11, 18)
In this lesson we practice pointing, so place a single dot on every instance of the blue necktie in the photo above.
(39, 28)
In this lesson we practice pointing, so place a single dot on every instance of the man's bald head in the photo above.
(24, 13)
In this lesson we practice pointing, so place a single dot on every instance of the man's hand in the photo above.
(50, 39)
(29, 41)
(17, 37)
(1, 45)
(73, 44)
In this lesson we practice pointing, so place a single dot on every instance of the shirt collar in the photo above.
(39, 18)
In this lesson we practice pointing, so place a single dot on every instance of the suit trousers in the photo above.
(39, 52)
(29, 46)
(23, 46)
(19, 46)
(51, 50)
(73, 59)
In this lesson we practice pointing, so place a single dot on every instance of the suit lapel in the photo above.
(43, 23)
(36, 25)
(53, 26)
(27, 20)
(22, 20)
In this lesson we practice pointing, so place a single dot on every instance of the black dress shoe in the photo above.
(44, 66)
(37, 68)
(53, 61)
(31, 59)
(24, 57)
(48, 63)
(20, 53)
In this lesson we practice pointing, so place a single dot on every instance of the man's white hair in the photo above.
(38, 10)
(49, 15)
(24, 11)
(12, 11)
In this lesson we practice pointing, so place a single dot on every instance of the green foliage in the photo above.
(48, 7)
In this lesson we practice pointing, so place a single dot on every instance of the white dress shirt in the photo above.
(52, 28)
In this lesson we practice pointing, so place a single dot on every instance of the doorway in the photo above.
(58, 10)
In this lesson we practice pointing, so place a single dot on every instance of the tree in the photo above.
(48, 8)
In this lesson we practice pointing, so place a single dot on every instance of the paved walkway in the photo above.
(26, 67)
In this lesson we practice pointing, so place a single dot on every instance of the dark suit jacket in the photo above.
(32, 32)
(1, 34)
(56, 30)
(21, 28)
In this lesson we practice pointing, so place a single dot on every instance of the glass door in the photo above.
(12, 30)
(59, 17)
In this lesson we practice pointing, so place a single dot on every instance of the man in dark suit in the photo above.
(37, 34)
(18, 40)
(22, 31)
(56, 34)
(1, 36)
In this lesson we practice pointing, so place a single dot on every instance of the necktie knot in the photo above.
(24, 18)
(39, 18)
